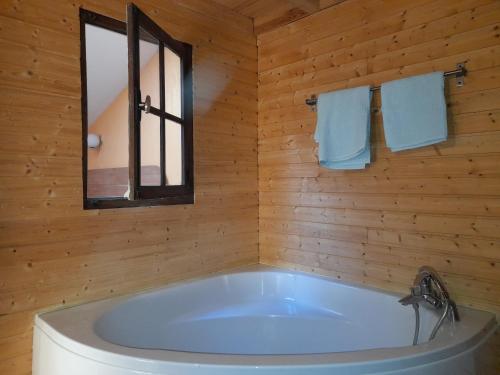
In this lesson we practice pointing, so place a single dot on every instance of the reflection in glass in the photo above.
(149, 68)
(107, 112)
(173, 91)
(173, 153)
(150, 150)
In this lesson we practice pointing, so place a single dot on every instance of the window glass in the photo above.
(107, 112)
(150, 150)
(173, 154)
(173, 88)
(149, 67)
(138, 150)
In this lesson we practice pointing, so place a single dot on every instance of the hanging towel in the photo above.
(414, 111)
(343, 128)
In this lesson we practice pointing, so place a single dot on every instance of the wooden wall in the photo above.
(438, 205)
(53, 253)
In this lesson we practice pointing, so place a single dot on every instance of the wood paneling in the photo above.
(268, 15)
(437, 205)
(52, 252)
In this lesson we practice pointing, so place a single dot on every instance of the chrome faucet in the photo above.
(429, 287)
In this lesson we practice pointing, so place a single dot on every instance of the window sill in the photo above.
(105, 203)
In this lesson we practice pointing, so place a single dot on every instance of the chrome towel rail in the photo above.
(459, 73)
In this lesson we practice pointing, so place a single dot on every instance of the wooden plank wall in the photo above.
(53, 253)
(437, 205)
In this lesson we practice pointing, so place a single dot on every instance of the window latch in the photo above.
(146, 104)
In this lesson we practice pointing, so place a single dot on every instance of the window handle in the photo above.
(146, 105)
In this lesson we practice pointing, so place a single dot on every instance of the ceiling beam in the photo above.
(309, 6)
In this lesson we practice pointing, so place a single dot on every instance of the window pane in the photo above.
(173, 91)
(107, 112)
(150, 150)
(173, 153)
(150, 68)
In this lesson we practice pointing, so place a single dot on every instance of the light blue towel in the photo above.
(414, 111)
(343, 128)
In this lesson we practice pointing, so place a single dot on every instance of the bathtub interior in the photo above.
(275, 313)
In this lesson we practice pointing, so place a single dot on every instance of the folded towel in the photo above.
(414, 111)
(343, 128)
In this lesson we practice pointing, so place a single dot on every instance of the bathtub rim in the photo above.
(95, 348)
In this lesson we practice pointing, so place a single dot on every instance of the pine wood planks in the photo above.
(52, 252)
(437, 205)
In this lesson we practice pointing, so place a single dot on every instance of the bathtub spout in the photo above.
(409, 300)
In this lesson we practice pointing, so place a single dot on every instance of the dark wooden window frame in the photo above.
(141, 196)
(137, 21)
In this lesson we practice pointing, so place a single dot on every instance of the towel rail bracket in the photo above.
(459, 73)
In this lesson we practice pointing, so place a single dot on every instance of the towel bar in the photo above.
(459, 73)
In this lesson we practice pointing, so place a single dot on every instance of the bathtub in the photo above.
(255, 321)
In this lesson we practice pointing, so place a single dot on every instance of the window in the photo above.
(137, 113)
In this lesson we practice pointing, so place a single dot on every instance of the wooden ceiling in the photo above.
(270, 14)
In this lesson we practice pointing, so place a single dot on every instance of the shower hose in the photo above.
(436, 327)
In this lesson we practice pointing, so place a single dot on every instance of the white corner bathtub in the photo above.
(256, 321)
